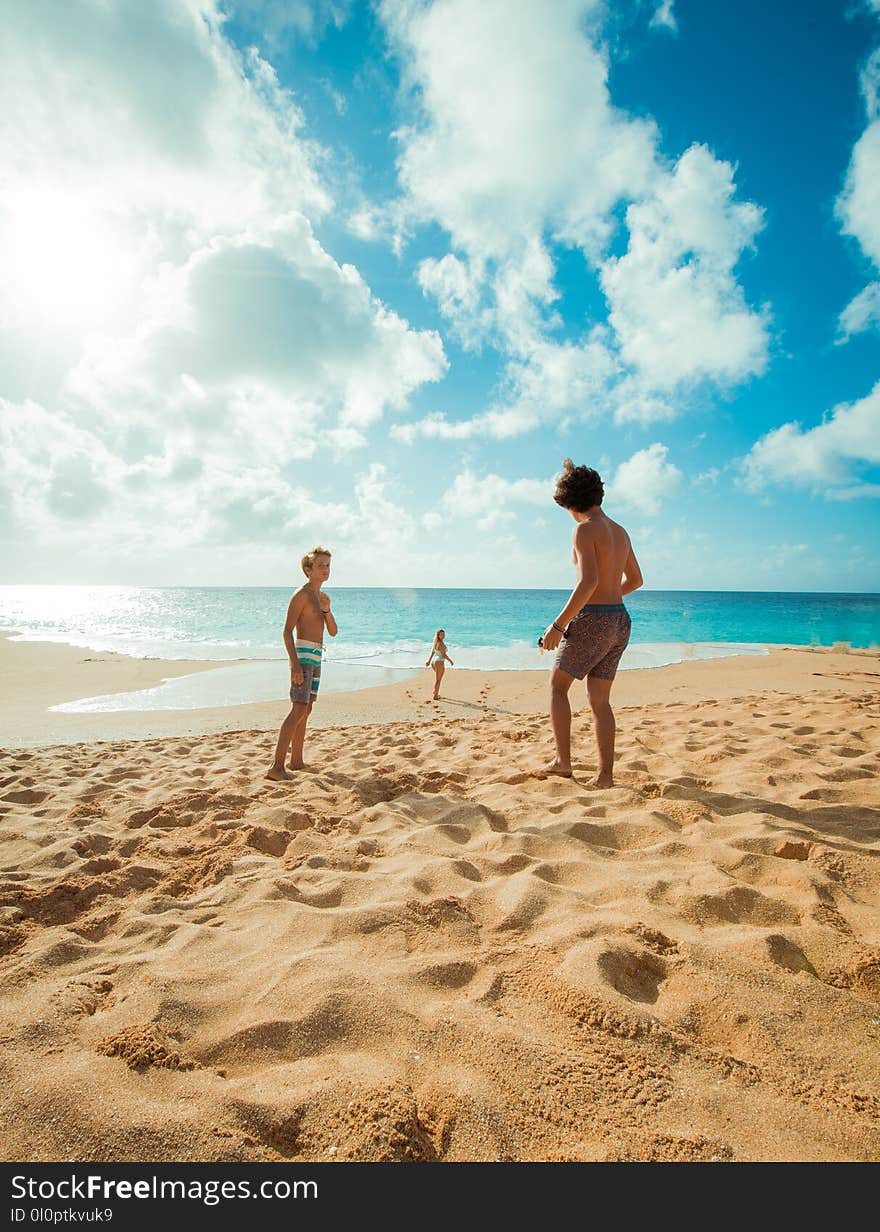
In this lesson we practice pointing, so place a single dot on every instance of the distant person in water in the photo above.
(308, 615)
(438, 660)
(593, 628)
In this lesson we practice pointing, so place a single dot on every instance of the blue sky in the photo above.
(287, 271)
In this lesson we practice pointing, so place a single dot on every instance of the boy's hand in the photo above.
(296, 673)
(324, 601)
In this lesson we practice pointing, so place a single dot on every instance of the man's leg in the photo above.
(285, 735)
(560, 717)
(298, 736)
(599, 692)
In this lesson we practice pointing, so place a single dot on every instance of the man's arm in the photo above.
(587, 573)
(632, 574)
(587, 569)
(294, 611)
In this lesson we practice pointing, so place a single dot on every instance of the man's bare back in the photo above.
(609, 543)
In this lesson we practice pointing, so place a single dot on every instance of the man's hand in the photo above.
(296, 673)
(324, 602)
(551, 639)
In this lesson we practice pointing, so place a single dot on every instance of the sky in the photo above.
(287, 272)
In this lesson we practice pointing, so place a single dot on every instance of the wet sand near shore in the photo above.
(37, 675)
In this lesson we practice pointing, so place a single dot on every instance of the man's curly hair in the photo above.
(578, 487)
(309, 559)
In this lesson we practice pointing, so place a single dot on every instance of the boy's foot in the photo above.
(602, 780)
(562, 772)
(296, 765)
(278, 774)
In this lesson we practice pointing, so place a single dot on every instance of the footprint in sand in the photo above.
(25, 796)
(84, 997)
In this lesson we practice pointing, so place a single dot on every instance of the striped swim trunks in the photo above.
(309, 655)
(594, 641)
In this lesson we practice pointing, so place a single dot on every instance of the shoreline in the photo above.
(42, 674)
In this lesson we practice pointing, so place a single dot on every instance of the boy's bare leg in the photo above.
(277, 771)
(298, 736)
(599, 692)
(560, 717)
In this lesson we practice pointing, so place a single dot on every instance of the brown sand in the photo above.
(417, 951)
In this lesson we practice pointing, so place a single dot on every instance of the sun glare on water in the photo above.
(64, 262)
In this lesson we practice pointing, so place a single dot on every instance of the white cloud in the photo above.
(709, 477)
(80, 502)
(487, 498)
(678, 312)
(554, 380)
(458, 292)
(826, 458)
(645, 480)
(862, 313)
(549, 162)
(279, 22)
(664, 17)
(385, 524)
(537, 87)
(858, 206)
(275, 333)
(167, 317)
(159, 113)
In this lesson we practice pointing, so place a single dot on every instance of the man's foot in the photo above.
(278, 774)
(602, 780)
(556, 767)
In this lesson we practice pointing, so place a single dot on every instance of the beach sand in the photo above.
(416, 951)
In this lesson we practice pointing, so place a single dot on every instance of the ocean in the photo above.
(385, 634)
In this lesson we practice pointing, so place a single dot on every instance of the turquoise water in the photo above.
(488, 629)
(385, 635)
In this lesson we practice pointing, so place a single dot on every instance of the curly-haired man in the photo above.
(594, 626)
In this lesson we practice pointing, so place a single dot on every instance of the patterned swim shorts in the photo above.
(594, 641)
(309, 655)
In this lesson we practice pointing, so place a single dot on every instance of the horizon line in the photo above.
(681, 590)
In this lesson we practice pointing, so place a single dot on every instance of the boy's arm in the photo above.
(329, 619)
(294, 610)
(632, 574)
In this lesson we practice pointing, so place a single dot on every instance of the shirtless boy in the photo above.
(308, 614)
(594, 622)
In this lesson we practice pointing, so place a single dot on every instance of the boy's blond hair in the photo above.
(309, 559)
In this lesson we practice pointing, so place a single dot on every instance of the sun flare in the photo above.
(64, 262)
